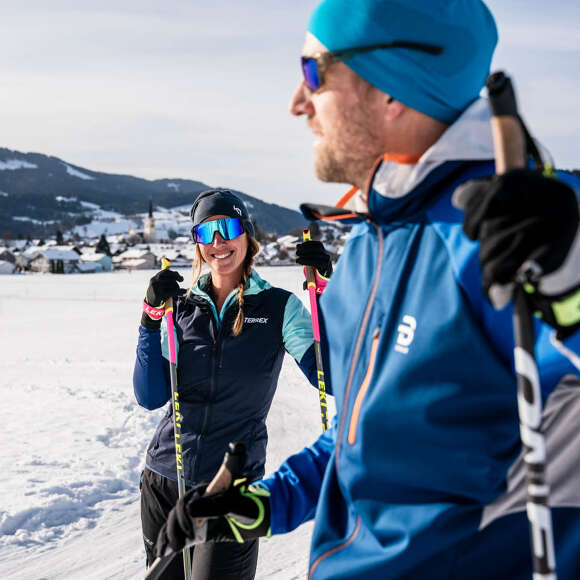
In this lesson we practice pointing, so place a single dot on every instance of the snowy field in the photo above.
(74, 439)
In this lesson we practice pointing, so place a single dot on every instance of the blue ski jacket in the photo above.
(426, 433)
(226, 383)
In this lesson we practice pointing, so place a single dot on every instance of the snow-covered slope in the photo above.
(74, 438)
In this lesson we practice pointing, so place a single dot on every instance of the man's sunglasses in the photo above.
(229, 228)
(314, 67)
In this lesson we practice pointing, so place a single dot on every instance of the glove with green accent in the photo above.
(239, 514)
(527, 226)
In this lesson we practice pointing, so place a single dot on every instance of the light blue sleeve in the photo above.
(296, 328)
(165, 341)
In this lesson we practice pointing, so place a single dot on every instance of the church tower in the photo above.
(149, 231)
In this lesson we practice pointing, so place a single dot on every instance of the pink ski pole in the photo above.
(177, 417)
(311, 287)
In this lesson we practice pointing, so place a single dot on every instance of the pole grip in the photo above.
(508, 137)
(231, 468)
(308, 270)
(165, 265)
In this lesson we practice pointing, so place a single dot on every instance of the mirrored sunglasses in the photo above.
(313, 67)
(228, 228)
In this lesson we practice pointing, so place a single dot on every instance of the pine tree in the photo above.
(103, 246)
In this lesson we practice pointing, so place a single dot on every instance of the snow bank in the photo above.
(75, 439)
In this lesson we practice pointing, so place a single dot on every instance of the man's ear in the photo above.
(393, 108)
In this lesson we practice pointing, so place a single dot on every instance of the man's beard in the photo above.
(329, 169)
(349, 157)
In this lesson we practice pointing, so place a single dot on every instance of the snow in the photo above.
(89, 267)
(90, 255)
(13, 164)
(90, 205)
(132, 253)
(3, 194)
(174, 186)
(76, 173)
(66, 199)
(59, 253)
(24, 218)
(75, 438)
(96, 228)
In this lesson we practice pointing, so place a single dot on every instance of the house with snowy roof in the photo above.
(91, 261)
(54, 260)
(135, 259)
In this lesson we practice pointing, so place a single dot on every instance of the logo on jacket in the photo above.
(238, 210)
(406, 332)
(248, 320)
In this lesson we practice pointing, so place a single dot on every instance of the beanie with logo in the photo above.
(220, 202)
(441, 86)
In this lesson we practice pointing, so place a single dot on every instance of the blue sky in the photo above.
(200, 90)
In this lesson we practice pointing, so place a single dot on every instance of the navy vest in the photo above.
(226, 384)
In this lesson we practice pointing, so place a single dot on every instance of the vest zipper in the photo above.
(212, 388)
(363, 388)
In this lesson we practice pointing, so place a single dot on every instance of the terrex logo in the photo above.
(406, 332)
(248, 320)
(238, 210)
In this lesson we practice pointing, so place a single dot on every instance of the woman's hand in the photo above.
(164, 285)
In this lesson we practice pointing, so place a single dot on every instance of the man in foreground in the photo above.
(419, 477)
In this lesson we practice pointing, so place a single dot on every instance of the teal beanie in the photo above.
(440, 86)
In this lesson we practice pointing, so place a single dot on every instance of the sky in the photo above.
(200, 90)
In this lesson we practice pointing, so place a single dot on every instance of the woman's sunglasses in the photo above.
(314, 67)
(229, 228)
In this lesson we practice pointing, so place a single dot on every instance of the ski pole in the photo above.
(510, 153)
(177, 417)
(311, 286)
(231, 468)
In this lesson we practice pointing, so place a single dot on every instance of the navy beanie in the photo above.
(440, 86)
(220, 202)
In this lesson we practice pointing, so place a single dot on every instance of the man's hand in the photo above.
(164, 285)
(312, 253)
(239, 514)
(528, 229)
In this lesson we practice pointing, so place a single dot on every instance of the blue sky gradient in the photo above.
(200, 90)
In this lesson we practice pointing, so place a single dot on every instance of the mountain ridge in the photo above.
(45, 193)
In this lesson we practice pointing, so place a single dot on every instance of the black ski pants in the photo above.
(211, 561)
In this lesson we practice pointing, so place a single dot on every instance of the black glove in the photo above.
(239, 514)
(164, 285)
(312, 253)
(528, 229)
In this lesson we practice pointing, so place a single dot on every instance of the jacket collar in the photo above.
(398, 186)
(254, 285)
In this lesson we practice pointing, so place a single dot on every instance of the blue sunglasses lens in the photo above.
(310, 72)
(229, 228)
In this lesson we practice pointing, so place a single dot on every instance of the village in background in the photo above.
(92, 249)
